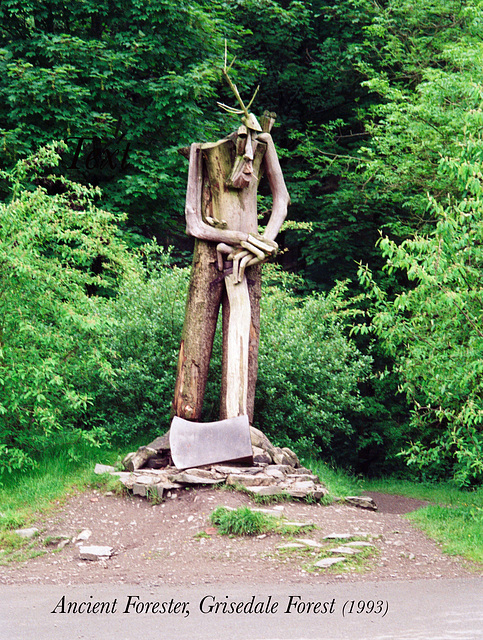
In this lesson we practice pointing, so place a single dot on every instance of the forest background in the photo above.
(371, 351)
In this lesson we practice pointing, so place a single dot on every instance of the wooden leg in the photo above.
(235, 348)
(204, 297)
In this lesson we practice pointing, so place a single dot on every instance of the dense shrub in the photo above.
(58, 255)
(433, 329)
(309, 371)
(144, 339)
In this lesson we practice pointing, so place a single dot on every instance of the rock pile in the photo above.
(275, 471)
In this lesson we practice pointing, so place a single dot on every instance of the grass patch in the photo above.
(455, 519)
(339, 483)
(247, 522)
(242, 521)
(458, 529)
(24, 496)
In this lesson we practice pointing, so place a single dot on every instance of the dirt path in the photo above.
(161, 544)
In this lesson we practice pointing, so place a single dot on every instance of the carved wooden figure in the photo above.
(221, 213)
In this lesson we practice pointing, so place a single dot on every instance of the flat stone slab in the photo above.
(274, 473)
(95, 553)
(284, 468)
(302, 477)
(309, 543)
(325, 563)
(104, 468)
(339, 536)
(358, 543)
(197, 476)
(27, 533)
(363, 502)
(146, 480)
(348, 551)
(249, 480)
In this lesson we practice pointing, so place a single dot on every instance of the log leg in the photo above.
(254, 279)
(202, 306)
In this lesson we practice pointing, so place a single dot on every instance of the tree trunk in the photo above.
(202, 305)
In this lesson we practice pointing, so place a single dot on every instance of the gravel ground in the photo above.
(174, 543)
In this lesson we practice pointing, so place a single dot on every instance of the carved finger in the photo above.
(213, 222)
(240, 255)
(268, 246)
(261, 255)
(221, 249)
(243, 264)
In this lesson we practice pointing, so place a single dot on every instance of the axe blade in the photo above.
(194, 444)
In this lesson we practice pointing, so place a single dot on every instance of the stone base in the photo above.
(275, 471)
(261, 479)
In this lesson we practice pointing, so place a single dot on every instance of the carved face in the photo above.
(242, 172)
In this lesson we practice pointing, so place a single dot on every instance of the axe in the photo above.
(194, 444)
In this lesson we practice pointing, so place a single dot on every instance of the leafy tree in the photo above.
(124, 83)
(416, 69)
(58, 254)
(433, 329)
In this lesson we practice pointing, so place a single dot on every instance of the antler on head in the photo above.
(249, 119)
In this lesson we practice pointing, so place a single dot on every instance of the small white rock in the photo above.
(95, 553)
(27, 533)
(83, 535)
(328, 562)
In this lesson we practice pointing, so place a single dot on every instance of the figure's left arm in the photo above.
(281, 198)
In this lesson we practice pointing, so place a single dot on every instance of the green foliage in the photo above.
(127, 80)
(56, 253)
(242, 521)
(147, 318)
(309, 371)
(416, 70)
(432, 329)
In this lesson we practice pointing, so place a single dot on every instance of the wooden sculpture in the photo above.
(221, 213)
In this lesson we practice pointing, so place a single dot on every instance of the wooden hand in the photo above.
(254, 250)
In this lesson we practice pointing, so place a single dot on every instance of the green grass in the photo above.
(458, 529)
(24, 496)
(338, 482)
(246, 522)
(455, 519)
(242, 521)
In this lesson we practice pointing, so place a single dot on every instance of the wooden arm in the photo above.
(195, 225)
(281, 198)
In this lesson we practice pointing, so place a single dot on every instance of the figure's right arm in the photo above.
(195, 225)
